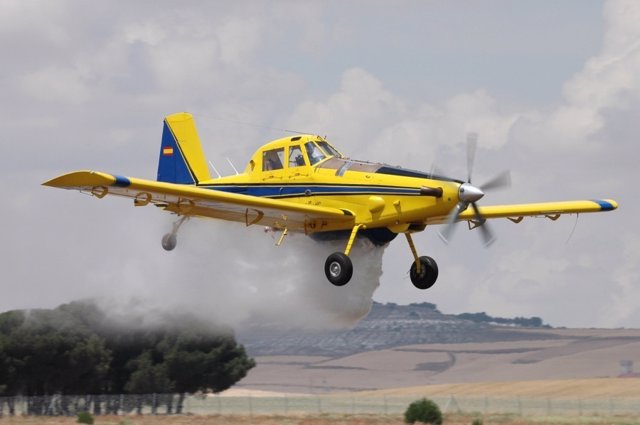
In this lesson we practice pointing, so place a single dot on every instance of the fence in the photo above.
(162, 404)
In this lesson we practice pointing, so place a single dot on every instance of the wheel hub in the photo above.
(335, 269)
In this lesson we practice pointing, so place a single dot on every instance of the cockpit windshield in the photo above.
(330, 150)
(314, 153)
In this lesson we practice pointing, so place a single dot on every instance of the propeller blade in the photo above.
(469, 194)
(472, 144)
(436, 171)
(487, 235)
(501, 180)
(446, 234)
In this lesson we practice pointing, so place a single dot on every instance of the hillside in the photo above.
(415, 346)
(387, 325)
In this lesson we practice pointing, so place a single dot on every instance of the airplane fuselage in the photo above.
(379, 195)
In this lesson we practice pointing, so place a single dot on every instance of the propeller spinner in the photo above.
(469, 194)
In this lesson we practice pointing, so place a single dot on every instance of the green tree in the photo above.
(200, 362)
(89, 362)
(47, 353)
(148, 377)
(425, 411)
(76, 349)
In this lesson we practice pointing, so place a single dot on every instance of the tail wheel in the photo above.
(338, 268)
(169, 241)
(428, 273)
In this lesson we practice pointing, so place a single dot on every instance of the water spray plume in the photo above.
(234, 275)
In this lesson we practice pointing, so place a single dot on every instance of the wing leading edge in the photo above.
(552, 210)
(195, 201)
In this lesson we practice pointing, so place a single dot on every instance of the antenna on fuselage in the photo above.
(232, 166)
(214, 169)
(292, 131)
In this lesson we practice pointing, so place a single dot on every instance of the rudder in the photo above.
(182, 159)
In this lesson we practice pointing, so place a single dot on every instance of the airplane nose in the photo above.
(470, 193)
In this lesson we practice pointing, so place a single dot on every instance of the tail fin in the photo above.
(181, 157)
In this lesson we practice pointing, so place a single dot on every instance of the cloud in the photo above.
(361, 99)
(369, 122)
(621, 307)
(56, 84)
(608, 81)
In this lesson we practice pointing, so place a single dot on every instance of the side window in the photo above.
(313, 152)
(295, 157)
(272, 159)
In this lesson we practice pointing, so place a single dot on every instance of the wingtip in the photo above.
(81, 178)
(607, 204)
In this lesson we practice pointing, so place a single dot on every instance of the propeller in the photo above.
(469, 194)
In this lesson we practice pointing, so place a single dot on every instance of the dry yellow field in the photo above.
(570, 388)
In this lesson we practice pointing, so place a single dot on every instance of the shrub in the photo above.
(425, 411)
(477, 422)
(85, 418)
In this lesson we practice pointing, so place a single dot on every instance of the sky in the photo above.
(552, 89)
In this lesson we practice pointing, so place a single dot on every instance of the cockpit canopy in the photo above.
(306, 150)
(293, 152)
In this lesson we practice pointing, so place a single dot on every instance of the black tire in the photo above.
(169, 241)
(338, 268)
(428, 273)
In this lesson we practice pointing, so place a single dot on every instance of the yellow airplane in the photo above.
(303, 184)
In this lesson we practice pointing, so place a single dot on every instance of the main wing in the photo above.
(551, 210)
(192, 200)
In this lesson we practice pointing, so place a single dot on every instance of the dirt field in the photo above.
(315, 420)
(567, 354)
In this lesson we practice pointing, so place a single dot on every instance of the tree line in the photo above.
(78, 349)
(482, 317)
(527, 322)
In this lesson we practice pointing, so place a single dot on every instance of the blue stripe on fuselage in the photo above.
(281, 191)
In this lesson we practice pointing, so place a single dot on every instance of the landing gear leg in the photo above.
(424, 270)
(170, 240)
(338, 268)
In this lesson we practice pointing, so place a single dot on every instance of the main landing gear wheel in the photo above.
(338, 268)
(428, 273)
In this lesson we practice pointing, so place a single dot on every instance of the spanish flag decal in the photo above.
(167, 151)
